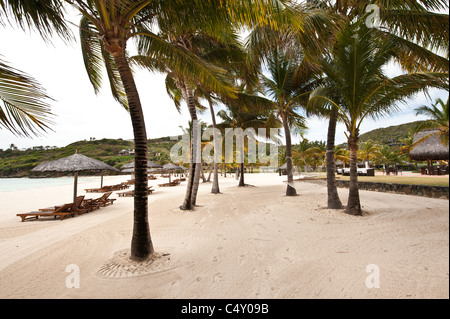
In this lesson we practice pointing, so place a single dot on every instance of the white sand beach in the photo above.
(250, 242)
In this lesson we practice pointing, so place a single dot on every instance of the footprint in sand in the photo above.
(218, 277)
(241, 260)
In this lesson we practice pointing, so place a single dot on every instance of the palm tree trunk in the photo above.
(210, 170)
(196, 183)
(141, 243)
(290, 190)
(241, 176)
(215, 187)
(353, 204)
(241, 169)
(333, 197)
(187, 204)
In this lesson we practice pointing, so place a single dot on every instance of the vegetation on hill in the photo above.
(390, 135)
(18, 163)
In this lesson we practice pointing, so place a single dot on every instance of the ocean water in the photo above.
(15, 184)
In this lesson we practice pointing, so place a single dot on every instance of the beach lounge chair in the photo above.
(102, 201)
(131, 193)
(174, 183)
(62, 211)
(77, 206)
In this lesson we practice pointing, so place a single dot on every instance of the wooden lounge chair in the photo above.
(77, 206)
(131, 193)
(62, 211)
(174, 183)
(102, 201)
(93, 190)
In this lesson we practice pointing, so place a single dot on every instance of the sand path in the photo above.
(250, 242)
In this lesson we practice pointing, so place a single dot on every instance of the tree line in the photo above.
(300, 59)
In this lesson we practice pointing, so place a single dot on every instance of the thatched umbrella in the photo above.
(170, 167)
(430, 149)
(129, 167)
(282, 169)
(74, 163)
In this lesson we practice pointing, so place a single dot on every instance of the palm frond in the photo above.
(185, 63)
(24, 105)
(44, 16)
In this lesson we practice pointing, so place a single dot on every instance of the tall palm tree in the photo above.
(354, 71)
(419, 33)
(341, 154)
(24, 103)
(207, 49)
(239, 117)
(105, 29)
(303, 153)
(439, 119)
(368, 150)
(288, 84)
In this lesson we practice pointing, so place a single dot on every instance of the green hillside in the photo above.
(17, 163)
(389, 135)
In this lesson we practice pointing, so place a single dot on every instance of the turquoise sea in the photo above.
(15, 184)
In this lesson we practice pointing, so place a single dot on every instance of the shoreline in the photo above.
(250, 242)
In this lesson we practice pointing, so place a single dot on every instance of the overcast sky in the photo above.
(81, 114)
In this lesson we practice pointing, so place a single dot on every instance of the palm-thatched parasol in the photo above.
(129, 167)
(430, 149)
(170, 167)
(74, 163)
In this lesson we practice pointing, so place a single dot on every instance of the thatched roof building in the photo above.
(430, 149)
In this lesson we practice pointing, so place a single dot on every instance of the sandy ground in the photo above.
(250, 242)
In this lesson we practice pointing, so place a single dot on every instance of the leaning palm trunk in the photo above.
(187, 204)
(141, 243)
(196, 183)
(353, 204)
(215, 187)
(333, 197)
(290, 190)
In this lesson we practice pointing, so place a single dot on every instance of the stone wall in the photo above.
(418, 190)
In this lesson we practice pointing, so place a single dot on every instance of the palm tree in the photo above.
(411, 24)
(368, 150)
(288, 84)
(105, 29)
(204, 48)
(341, 154)
(239, 117)
(303, 153)
(439, 118)
(24, 104)
(354, 71)
(388, 156)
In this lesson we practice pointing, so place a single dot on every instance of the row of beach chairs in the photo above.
(78, 207)
(150, 190)
(170, 184)
(110, 188)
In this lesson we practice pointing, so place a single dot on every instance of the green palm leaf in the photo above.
(24, 105)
